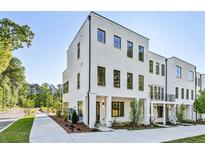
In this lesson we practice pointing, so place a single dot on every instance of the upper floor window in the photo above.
(141, 53)
(66, 87)
(191, 76)
(199, 82)
(129, 81)
(151, 66)
(192, 94)
(177, 92)
(178, 72)
(78, 50)
(78, 81)
(163, 70)
(187, 94)
(129, 49)
(117, 42)
(101, 35)
(141, 83)
(116, 78)
(182, 93)
(157, 68)
(101, 76)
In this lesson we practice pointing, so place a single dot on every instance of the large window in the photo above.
(129, 81)
(129, 49)
(117, 109)
(160, 111)
(117, 42)
(66, 87)
(151, 66)
(78, 81)
(178, 72)
(182, 93)
(163, 70)
(78, 50)
(177, 92)
(101, 35)
(162, 94)
(80, 109)
(155, 92)
(101, 76)
(192, 94)
(191, 76)
(141, 83)
(141, 53)
(151, 92)
(116, 78)
(187, 94)
(157, 68)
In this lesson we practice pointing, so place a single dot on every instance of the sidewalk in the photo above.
(45, 130)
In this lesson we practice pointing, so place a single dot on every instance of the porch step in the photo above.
(105, 129)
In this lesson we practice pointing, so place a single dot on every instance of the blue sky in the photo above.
(180, 34)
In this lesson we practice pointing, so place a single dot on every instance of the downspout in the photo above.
(166, 80)
(89, 69)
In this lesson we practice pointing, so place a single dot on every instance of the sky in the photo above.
(180, 34)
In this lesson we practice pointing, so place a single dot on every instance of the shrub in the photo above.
(74, 117)
(136, 112)
(58, 113)
(180, 113)
(43, 109)
(65, 115)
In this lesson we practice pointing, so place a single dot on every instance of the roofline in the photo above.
(182, 60)
(92, 12)
(157, 54)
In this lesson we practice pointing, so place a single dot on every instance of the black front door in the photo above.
(97, 112)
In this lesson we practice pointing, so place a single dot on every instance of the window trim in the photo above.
(151, 70)
(118, 71)
(131, 81)
(78, 50)
(142, 60)
(115, 36)
(98, 29)
(139, 87)
(157, 68)
(180, 68)
(119, 114)
(163, 69)
(78, 81)
(101, 67)
(129, 42)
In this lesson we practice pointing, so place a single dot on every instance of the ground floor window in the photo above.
(160, 111)
(117, 109)
(80, 109)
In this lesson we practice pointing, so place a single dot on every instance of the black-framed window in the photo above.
(78, 50)
(141, 53)
(157, 68)
(160, 111)
(162, 93)
(141, 83)
(101, 35)
(117, 42)
(178, 71)
(155, 92)
(159, 93)
(66, 87)
(187, 94)
(80, 108)
(78, 81)
(117, 109)
(163, 70)
(151, 66)
(129, 81)
(116, 78)
(192, 94)
(177, 92)
(182, 93)
(129, 49)
(151, 92)
(101, 76)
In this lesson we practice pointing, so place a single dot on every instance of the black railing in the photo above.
(162, 97)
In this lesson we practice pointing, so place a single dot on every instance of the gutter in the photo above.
(89, 70)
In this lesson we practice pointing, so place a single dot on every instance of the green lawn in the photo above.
(18, 132)
(195, 139)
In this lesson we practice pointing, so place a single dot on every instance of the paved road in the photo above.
(46, 130)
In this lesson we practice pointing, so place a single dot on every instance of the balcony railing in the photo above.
(162, 97)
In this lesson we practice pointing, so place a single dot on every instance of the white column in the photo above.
(190, 112)
(174, 114)
(164, 114)
(108, 111)
(147, 112)
(92, 110)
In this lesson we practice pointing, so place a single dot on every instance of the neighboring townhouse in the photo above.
(109, 65)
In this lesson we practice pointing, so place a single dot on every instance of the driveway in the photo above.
(45, 130)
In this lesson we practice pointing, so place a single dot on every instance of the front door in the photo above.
(97, 112)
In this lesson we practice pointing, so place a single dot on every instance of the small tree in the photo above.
(136, 112)
(199, 104)
(74, 117)
(180, 113)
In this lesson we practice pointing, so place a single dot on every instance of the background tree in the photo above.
(199, 104)
(12, 37)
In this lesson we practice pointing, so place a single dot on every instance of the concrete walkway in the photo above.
(46, 130)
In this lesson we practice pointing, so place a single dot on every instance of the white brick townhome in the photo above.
(109, 65)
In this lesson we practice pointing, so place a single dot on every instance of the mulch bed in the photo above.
(72, 128)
